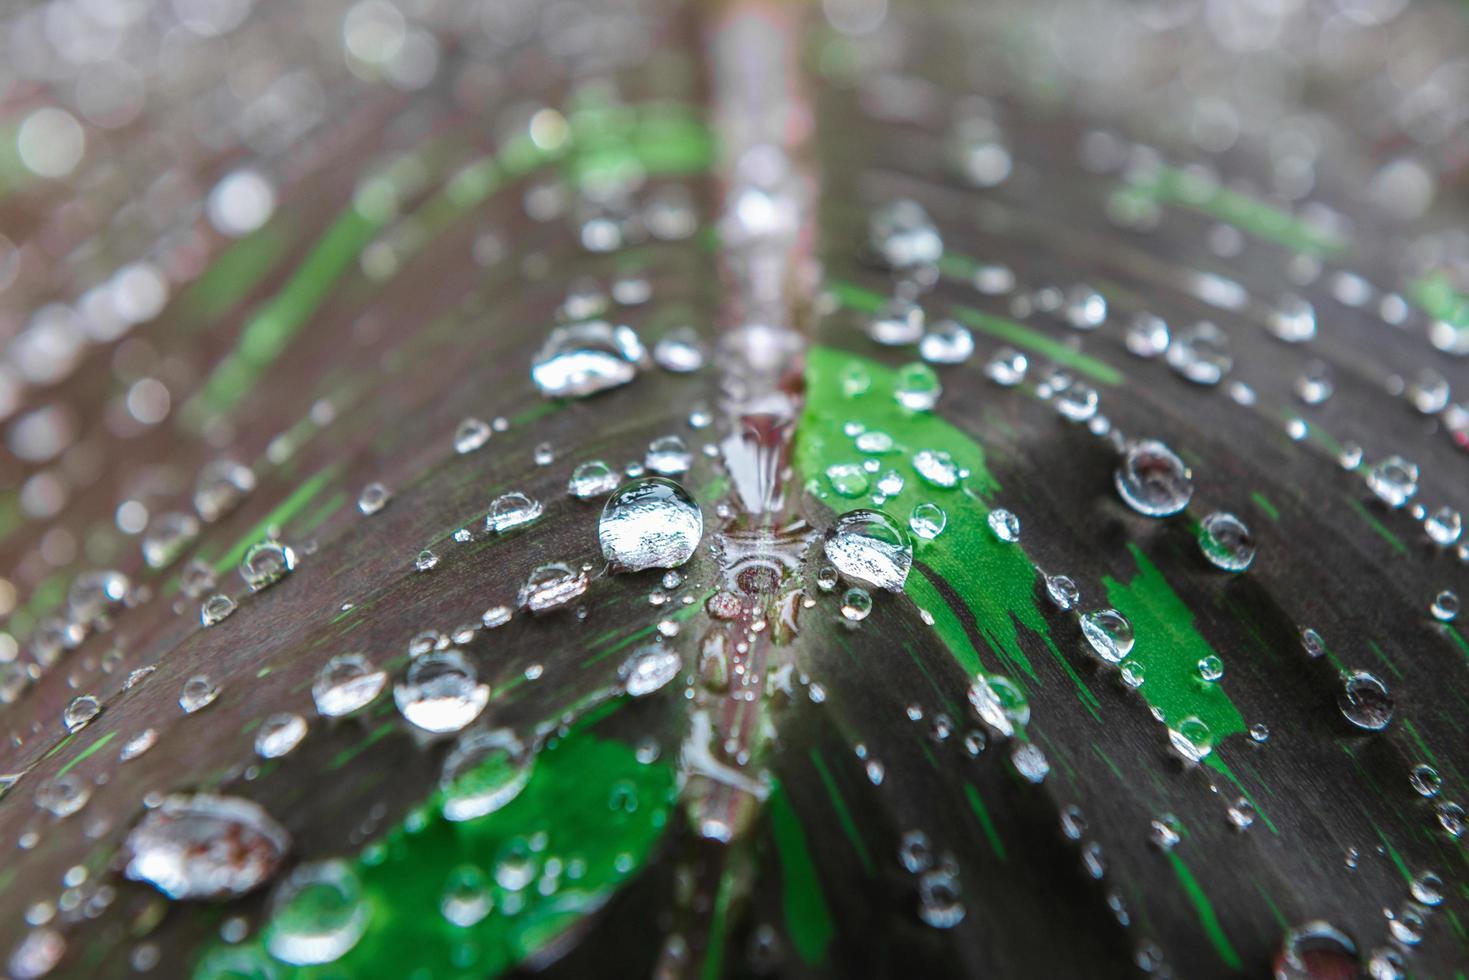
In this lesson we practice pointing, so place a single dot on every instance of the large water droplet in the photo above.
(649, 669)
(584, 358)
(347, 682)
(551, 585)
(441, 692)
(1109, 633)
(279, 734)
(317, 915)
(1152, 480)
(485, 771)
(1192, 739)
(1365, 701)
(870, 547)
(205, 846)
(266, 563)
(649, 523)
(1000, 703)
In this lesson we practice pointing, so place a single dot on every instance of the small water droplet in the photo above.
(917, 387)
(927, 520)
(279, 734)
(1445, 606)
(1006, 367)
(856, 604)
(80, 711)
(649, 669)
(216, 609)
(1147, 335)
(1200, 353)
(681, 351)
(267, 563)
(317, 914)
(198, 692)
(592, 479)
(1394, 480)
(346, 682)
(1062, 591)
(511, 510)
(440, 692)
(946, 342)
(1004, 524)
(1191, 739)
(374, 497)
(551, 585)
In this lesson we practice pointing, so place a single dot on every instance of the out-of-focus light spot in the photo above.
(50, 142)
(373, 32)
(855, 16)
(548, 130)
(241, 202)
(139, 292)
(7, 606)
(148, 401)
(43, 495)
(132, 517)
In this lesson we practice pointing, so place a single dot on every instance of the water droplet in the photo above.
(63, 795)
(940, 899)
(1200, 353)
(441, 692)
(1191, 739)
(215, 609)
(266, 563)
(1312, 643)
(37, 954)
(138, 744)
(937, 468)
(485, 771)
(927, 520)
(847, 479)
(668, 456)
(649, 523)
(856, 604)
(198, 692)
(374, 497)
(167, 537)
(1444, 526)
(681, 350)
(1165, 832)
(1062, 591)
(1314, 385)
(471, 434)
(1086, 309)
(511, 510)
(347, 682)
(279, 734)
(915, 852)
(1425, 780)
(1316, 949)
(870, 547)
(917, 388)
(1293, 320)
(946, 342)
(1005, 524)
(1241, 814)
(649, 669)
(1445, 606)
(1030, 762)
(904, 235)
(221, 485)
(1365, 701)
(1147, 335)
(80, 711)
(1211, 668)
(899, 323)
(1427, 888)
(317, 914)
(1394, 481)
(1077, 402)
(592, 479)
(466, 899)
(1132, 674)
(582, 359)
(495, 617)
(1000, 703)
(1451, 818)
(1153, 481)
(1006, 367)
(205, 846)
(1109, 633)
(1429, 391)
(1226, 542)
(551, 585)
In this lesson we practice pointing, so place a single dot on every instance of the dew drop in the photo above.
(1365, 701)
(205, 846)
(870, 547)
(440, 692)
(347, 682)
(1226, 542)
(649, 523)
(1109, 633)
(1153, 481)
(582, 359)
(279, 734)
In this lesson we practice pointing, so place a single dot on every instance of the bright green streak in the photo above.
(844, 816)
(289, 508)
(808, 918)
(1169, 650)
(601, 812)
(280, 318)
(1377, 526)
(1263, 502)
(1169, 185)
(1207, 918)
(236, 271)
(87, 752)
(1033, 340)
(1436, 295)
(976, 803)
(994, 581)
